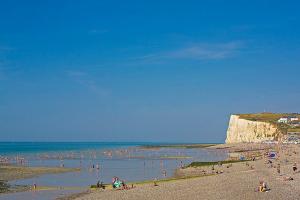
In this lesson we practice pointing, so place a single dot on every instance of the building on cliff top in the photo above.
(288, 119)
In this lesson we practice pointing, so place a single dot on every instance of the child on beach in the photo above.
(34, 186)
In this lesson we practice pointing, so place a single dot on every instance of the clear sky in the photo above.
(144, 70)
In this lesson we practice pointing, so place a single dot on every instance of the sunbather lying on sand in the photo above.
(288, 178)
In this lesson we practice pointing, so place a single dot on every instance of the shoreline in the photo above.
(13, 172)
(231, 180)
(216, 178)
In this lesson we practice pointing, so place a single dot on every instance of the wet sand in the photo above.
(10, 172)
(237, 180)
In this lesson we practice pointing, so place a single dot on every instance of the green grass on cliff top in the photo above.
(266, 117)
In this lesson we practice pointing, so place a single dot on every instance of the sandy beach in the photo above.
(233, 181)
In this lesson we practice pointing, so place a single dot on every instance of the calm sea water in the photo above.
(125, 160)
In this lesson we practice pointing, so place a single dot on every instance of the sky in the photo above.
(159, 71)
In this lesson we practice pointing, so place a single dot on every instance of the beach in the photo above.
(223, 171)
(233, 181)
(70, 168)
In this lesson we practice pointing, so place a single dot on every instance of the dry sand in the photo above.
(236, 182)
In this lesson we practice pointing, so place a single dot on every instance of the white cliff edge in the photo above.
(242, 130)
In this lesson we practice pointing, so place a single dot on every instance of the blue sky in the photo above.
(144, 70)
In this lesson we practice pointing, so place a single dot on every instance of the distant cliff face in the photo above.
(242, 130)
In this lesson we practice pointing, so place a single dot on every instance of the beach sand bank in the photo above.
(10, 172)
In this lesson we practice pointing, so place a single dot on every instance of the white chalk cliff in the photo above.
(243, 130)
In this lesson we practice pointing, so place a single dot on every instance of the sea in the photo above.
(98, 161)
